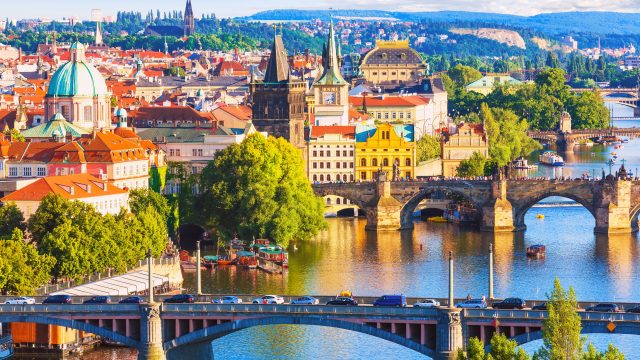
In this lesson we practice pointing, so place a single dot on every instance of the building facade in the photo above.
(331, 152)
(386, 147)
(392, 62)
(411, 109)
(466, 140)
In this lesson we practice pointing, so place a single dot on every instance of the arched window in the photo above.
(352, 177)
(385, 162)
(329, 177)
(338, 201)
(374, 162)
(328, 201)
(315, 178)
(407, 162)
(363, 162)
(344, 177)
(321, 177)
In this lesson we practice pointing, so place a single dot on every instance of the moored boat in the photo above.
(536, 251)
(6, 347)
(551, 158)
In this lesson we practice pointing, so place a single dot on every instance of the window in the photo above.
(408, 115)
(338, 201)
(328, 177)
(87, 114)
(328, 201)
(328, 153)
(344, 177)
(1, 166)
(315, 165)
(401, 115)
(344, 165)
(351, 165)
(13, 171)
(379, 116)
(321, 177)
(344, 153)
(321, 153)
(194, 152)
(42, 171)
(407, 162)
(177, 152)
(386, 115)
(26, 172)
(315, 178)
(351, 153)
(65, 112)
(171, 152)
(351, 176)
(407, 175)
(393, 115)
(374, 162)
(338, 165)
(328, 165)
(194, 170)
(385, 162)
(315, 153)
(199, 152)
(321, 165)
(363, 162)
(363, 175)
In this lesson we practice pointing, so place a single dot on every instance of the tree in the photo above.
(258, 189)
(22, 269)
(463, 75)
(15, 135)
(588, 111)
(428, 147)
(10, 218)
(473, 166)
(501, 349)
(561, 329)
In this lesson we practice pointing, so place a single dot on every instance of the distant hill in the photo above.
(552, 23)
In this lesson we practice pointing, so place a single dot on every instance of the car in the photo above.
(343, 301)
(509, 303)
(472, 304)
(180, 299)
(634, 310)
(604, 307)
(391, 300)
(305, 300)
(21, 301)
(132, 300)
(268, 299)
(98, 300)
(542, 306)
(58, 299)
(427, 303)
(227, 300)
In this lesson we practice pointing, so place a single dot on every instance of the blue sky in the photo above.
(82, 8)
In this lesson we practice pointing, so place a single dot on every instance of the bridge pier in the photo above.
(151, 333)
(613, 215)
(385, 213)
(498, 215)
(449, 334)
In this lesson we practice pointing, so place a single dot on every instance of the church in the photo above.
(187, 29)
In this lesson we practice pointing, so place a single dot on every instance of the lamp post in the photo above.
(450, 279)
(490, 271)
(198, 277)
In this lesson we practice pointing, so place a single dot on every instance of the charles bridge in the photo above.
(186, 331)
(566, 139)
(500, 204)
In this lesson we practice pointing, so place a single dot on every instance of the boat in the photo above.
(224, 260)
(522, 163)
(274, 254)
(210, 260)
(624, 141)
(6, 347)
(437, 219)
(459, 214)
(536, 251)
(540, 216)
(551, 158)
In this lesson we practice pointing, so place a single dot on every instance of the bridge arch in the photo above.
(521, 211)
(599, 328)
(409, 207)
(72, 324)
(217, 331)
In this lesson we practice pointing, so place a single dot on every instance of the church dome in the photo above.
(77, 77)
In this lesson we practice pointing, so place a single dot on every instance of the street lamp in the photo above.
(610, 163)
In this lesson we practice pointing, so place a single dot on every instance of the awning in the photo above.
(122, 285)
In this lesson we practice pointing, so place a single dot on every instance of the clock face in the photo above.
(329, 98)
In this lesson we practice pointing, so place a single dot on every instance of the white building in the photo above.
(331, 152)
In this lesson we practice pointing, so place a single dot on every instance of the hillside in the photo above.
(507, 37)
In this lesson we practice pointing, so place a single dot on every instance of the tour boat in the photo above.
(275, 254)
(536, 251)
(551, 158)
(6, 347)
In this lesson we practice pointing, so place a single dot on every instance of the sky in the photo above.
(82, 8)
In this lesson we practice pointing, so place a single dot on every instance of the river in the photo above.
(345, 256)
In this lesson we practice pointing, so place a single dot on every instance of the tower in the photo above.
(98, 34)
(331, 90)
(279, 100)
(189, 24)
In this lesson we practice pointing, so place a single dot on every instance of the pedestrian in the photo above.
(468, 296)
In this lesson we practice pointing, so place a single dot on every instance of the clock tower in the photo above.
(331, 90)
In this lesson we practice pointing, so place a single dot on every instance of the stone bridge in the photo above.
(186, 331)
(500, 205)
(566, 140)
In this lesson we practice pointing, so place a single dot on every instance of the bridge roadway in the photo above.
(501, 205)
(566, 140)
(179, 331)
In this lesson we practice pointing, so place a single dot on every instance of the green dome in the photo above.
(77, 78)
(121, 113)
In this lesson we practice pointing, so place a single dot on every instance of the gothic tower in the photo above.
(279, 100)
(189, 22)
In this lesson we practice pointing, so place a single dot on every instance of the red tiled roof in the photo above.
(70, 187)
(346, 131)
(173, 113)
(109, 147)
(378, 101)
(242, 112)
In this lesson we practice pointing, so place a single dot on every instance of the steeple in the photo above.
(278, 65)
(331, 72)
(189, 20)
(98, 34)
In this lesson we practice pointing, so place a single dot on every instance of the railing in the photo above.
(69, 308)
(541, 315)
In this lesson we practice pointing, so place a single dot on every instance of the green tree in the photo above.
(588, 111)
(258, 189)
(428, 147)
(175, 71)
(463, 75)
(15, 135)
(473, 166)
(504, 349)
(22, 269)
(561, 329)
(10, 218)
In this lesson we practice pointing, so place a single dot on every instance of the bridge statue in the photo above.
(500, 204)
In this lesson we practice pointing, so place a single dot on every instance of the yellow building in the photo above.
(467, 139)
(383, 146)
(392, 62)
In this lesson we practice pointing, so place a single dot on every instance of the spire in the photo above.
(278, 65)
(331, 73)
(189, 20)
(98, 34)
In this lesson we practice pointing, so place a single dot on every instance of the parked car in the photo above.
(542, 306)
(472, 304)
(180, 299)
(269, 299)
(509, 303)
(343, 301)
(227, 300)
(427, 303)
(21, 301)
(391, 300)
(305, 300)
(605, 307)
(132, 300)
(634, 310)
(58, 299)
(98, 300)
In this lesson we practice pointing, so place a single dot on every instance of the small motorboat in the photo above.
(536, 251)
(539, 216)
